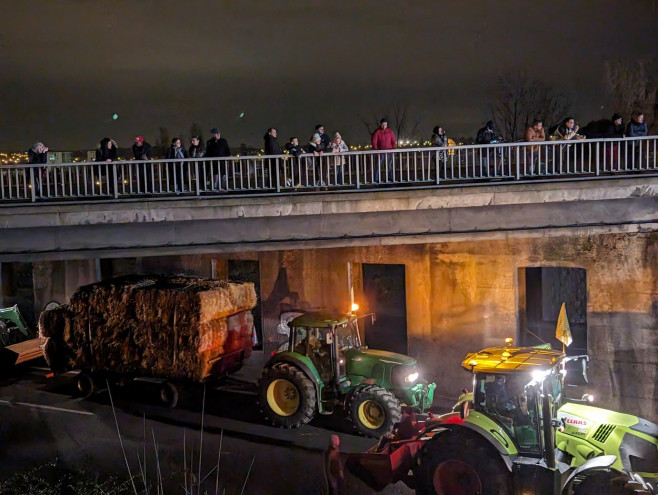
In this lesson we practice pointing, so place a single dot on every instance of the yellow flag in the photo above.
(563, 331)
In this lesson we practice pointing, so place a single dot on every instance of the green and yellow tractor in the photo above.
(516, 433)
(325, 369)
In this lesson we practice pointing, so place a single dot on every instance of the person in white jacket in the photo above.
(339, 146)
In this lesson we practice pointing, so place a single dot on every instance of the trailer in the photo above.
(168, 329)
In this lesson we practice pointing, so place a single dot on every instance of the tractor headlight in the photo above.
(411, 377)
(404, 376)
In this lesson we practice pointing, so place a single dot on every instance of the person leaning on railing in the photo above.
(142, 151)
(107, 152)
(568, 131)
(637, 127)
(534, 134)
(38, 154)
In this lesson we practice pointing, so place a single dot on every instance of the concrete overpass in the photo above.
(146, 227)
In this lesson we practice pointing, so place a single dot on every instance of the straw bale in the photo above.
(165, 326)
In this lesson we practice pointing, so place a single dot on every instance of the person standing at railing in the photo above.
(637, 127)
(294, 150)
(487, 135)
(339, 146)
(384, 139)
(534, 134)
(568, 131)
(615, 131)
(315, 148)
(196, 150)
(217, 147)
(142, 151)
(439, 139)
(271, 146)
(325, 142)
(177, 170)
(107, 152)
(38, 154)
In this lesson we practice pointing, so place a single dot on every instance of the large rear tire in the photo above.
(287, 396)
(374, 411)
(460, 464)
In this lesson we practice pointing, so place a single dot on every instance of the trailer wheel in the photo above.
(287, 397)
(459, 464)
(374, 411)
(169, 394)
(85, 384)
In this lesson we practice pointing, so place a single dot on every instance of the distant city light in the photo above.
(115, 116)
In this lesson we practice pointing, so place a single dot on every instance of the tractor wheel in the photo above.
(460, 464)
(374, 411)
(85, 384)
(169, 394)
(287, 397)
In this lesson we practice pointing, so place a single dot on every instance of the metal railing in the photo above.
(407, 167)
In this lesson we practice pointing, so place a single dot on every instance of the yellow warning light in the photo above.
(354, 308)
(473, 363)
(509, 341)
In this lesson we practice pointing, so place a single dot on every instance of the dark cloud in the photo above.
(69, 65)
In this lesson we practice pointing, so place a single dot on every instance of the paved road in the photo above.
(41, 420)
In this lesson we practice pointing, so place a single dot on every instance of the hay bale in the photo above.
(164, 326)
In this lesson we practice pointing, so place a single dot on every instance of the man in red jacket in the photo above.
(384, 139)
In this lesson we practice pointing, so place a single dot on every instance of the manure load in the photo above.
(170, 327)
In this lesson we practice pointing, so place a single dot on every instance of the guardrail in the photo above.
(408, 167)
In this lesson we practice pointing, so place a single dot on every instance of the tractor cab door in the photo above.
(512, 401)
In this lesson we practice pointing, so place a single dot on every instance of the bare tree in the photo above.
(519, 99)
(633, 86)
(398, 115)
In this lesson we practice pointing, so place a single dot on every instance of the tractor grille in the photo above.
(603, 432)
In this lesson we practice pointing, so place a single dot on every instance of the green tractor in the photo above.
(516, 434)
(18, 343)
(13, 328)
(325, 369)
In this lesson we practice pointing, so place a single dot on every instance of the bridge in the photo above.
(476, 243)
(284, 174)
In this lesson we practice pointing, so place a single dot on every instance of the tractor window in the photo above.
(511, 401)
(347, 336)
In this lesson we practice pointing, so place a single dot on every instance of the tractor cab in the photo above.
(510, 385)
(325, 340)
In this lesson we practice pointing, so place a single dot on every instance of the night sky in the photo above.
(68, 66)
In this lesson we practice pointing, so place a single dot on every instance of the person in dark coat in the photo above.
(272, 146)
(637, 127)
(107, 152)
(142, 151)
(178, 172)
(217, 147)
(38, 154)
(197, 148)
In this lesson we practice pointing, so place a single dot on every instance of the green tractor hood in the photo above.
(363, 362)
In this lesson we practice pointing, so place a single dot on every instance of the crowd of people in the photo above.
(320, 144)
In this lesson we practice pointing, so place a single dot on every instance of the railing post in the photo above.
(598, 150)
(115, 179)
(358, 172)
(518, 163)
(33, 184)
(276, 173)
(196, 176)
(437, 166)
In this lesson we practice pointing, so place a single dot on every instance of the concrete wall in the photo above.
(466, 295)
